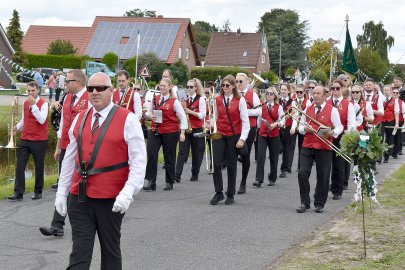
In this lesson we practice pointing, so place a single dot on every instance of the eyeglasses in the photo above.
(270, 93)
(207, 93)
(327, 92)
(137, 89)
(99, 88)
(68, 81)
(395, 93)
(299, 92)
(239, 81)
(356, 92)
(226, 85)
(310, 87)
(190, 86)
(333, 88)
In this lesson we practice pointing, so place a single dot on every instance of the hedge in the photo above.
(57, 61)
(206, 74)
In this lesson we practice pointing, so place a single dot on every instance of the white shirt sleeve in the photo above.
(202, 107)
(369, 110)
(136, 155)
(245, 119)
(359, 115)
(178, 109)
(396, 107)
(301, 126)
(294, 116)
(280, 114)
(137, 105)
(351, 118)
(20, 124)
(256, 102)
(380, 104)
(335, 118)
(59, 132)
(403, 109)
(40, 114)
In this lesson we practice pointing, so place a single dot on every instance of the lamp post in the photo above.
(279, 63)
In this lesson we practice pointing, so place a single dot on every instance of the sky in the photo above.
(326, 18)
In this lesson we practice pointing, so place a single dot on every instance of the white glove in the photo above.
(121, 203)
(61, 204)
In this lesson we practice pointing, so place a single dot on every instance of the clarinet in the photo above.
(155, 106)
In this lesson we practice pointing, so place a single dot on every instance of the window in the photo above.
(124, 40)
(180, 52)
(263, 59)
(187, 53)
(244, 54)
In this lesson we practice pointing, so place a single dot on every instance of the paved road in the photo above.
(179, 229)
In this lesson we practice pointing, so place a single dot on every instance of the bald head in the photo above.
(99, 79)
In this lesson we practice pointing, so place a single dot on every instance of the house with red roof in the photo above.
(6, 54)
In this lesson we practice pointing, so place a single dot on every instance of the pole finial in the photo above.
(347, 19)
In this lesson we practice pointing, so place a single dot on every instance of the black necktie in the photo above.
(368, 97)
(227, 102)
(190, 101)
(243, 94)
(335, 102)
(318, 111)
(161, 101)
(73, 101)
(96, 123)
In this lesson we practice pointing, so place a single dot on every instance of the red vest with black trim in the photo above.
(400, 116)
(195, 107)
(389, 113)
(363, 108)
(113, 150)
(343, 109)
(288, 122)
(374, 105)
(33, 130)
(223, 125)
(249, 103)
(170, 121)
(117, 100)
(69, 115)
(325, 118)
(266, 115)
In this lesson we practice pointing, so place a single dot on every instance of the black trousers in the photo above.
(38, 150)
(273, 144)
(197, 150)
(209, 153)
(322, 160)
(57, 93)
(389, 138)
(246, 158)
(224, 151)
(300, 142)
(87, 218)
(58, 220)
(397, 142)
(168, 142)
(256, 143)
(339, 170)
(288, 142)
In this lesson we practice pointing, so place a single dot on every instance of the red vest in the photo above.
(363, 108)
(389, 114)
(170, 121)
(69, 115)
(116, 99)
(113, 150)
(374, 105)
(343, 108)
(33, 130)
(303, 105)
(288, 122)
(223, 125)
(195, 107)
(325, 118)
(249, 103)
(266, 115)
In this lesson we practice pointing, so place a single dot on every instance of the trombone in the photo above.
(14, 114)
(212, 112)
(319, 131)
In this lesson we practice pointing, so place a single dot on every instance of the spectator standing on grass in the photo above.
(51, 85)
(40, 80)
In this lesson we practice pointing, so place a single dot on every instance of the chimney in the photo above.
(160, 16)
(238, 32)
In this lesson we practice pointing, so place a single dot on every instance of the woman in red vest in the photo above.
(390, 118)
(195, 108)
(165, 111)
(271, 119)
(233, 123)
(398, 136)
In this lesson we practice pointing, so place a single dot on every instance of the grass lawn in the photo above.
(8, 189)
(9, 92)
(339, 244)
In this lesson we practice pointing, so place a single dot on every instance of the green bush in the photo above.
(110, 59)
(319, 75)
(57, 61)
(211, 73)
(270, 76)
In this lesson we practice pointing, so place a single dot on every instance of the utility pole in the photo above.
(279, 64)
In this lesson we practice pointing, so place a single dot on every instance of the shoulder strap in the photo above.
(229, 118)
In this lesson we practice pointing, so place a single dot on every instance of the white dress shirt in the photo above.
(296, 114)
(202, 106)
(280, 114)
(351, 115)
(133, 135)
(39, 114)
(335, 118)
(358, 115)
(256, 102)
(137, 101)
(381, 98)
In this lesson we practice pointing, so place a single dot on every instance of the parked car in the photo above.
(28, 75)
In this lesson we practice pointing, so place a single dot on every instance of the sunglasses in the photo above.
(299, 92)
(99, 88)
(137, 89)
(327, 92)
(333, 88)
(270, 93)
(226, 85)
(310, 87)
(239, 81)
(395, 93)
(356, 92)
(190, 86)
(68, 81)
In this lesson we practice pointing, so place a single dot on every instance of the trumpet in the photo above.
(319, 132)
(189, 129)
(14, 114)
(256, 79)
(211, 132)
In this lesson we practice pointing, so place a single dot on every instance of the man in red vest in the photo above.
(34, 139)
(313, 149)
(126, 97)
(104, 166)
(75, 101)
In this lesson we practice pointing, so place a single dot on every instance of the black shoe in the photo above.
(16, 197)
(229, 200)
(385, 160)
(164, 166)
(395, 157)
(319, 209)
(289, 170)
(302, 208)
(337, 197)
(257, 184)
(149, 185)
(36, 196)
(283, 175)
(345, 187)
(400, 153)
(242, 190)
(55, 231)
(217, 198)
(177, 178)
(194, 178)
(169, 186)
(271, 183)
(54, 186)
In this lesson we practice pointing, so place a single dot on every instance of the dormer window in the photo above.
(244, 54)
(124, 40)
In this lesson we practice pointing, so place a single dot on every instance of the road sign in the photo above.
(144, 72)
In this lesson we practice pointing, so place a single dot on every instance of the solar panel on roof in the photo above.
(156, 38)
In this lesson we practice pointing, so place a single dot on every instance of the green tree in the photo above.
(226, 27)
(15, 36)
(319, 75)
(202, 32)
(318, 56)
(180, 72)
(155, 65)
(375, 37)
(110, 59)
(140, 13)
(371, 63)
(61, 47)
(293, 32)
